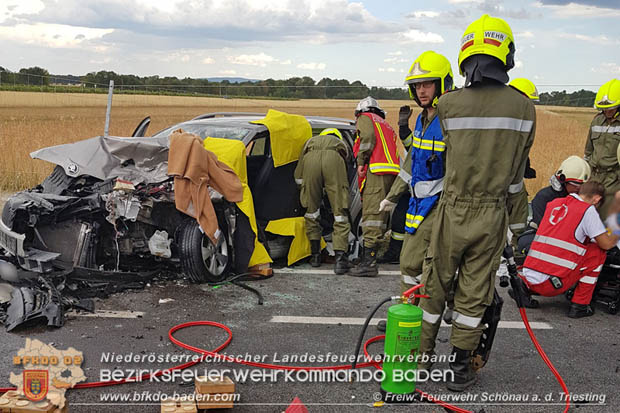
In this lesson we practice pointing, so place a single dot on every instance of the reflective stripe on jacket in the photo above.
(427, 170)
(602, 144)
(384, 158)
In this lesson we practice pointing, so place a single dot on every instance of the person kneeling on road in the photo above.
(569, 248)
(322, 166)
(568, 178)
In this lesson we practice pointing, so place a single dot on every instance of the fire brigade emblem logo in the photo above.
(36, 384)
(558, 214)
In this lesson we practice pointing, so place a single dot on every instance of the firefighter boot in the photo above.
(315, 250)
(342, 262)
(368, 266)
(580, 310)
(426, 360)
(464, 375)
(392, 255)
(382, 325)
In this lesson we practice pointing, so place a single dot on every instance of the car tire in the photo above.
(201, 260)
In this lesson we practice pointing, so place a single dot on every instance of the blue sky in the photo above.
(560, 44)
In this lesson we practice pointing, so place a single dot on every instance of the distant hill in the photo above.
(231, 79)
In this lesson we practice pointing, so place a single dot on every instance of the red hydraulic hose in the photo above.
(215, 354)
(543, 355)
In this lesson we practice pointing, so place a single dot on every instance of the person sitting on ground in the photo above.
(569, 248)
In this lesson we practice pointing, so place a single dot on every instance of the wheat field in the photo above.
(30, 121)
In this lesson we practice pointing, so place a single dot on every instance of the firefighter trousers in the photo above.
(468, 235)
(585, 277)
(413, 252)
(374, 223)
(326, 170)
(611, 182)
(399, 215)
(517, 215)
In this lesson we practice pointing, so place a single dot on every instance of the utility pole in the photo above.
(107, 112)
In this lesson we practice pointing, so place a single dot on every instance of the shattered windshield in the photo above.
(214, 131)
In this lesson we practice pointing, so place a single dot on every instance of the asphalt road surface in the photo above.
(318, 314)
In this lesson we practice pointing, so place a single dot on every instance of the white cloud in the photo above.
(574, 10)
(51, 35)
(387, 69)
(518, 64)
(185, 58)
(423, 14)
(240, 20)
(600, 39)
(608, 68)
(100, 62)
(286, 62)
(396, 53)
(417, 36)
(524, 35)
(208, 60)
(395, 60)
(10, 9)
(312, 66)
(227, 72)
(261, 59)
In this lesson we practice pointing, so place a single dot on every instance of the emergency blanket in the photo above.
(195, 169)
(232, 153)
(288, 134)
(293, 227)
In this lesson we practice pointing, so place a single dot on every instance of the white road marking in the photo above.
(108, 314)
(354, 321)
(311, 271)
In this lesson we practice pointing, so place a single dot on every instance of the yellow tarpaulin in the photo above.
(293, 227)
(232, 153)
(288, 135)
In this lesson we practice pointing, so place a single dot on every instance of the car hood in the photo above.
(133, 159)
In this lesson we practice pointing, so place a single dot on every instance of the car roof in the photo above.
(244, 119)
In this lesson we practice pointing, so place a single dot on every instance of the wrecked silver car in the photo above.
(105, 217)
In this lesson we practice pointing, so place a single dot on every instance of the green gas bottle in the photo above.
(402, 341)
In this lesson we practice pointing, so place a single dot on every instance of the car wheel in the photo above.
(202, 260)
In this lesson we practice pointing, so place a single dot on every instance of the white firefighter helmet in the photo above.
(573, 170)
(367, 105)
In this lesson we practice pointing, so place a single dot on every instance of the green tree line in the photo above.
(293, 88)
(582, 98)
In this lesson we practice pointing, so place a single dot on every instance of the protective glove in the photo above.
(403, 115)
(530, 173)
(386, 206)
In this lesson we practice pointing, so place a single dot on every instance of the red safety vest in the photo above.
(384, 158)
(555, 250)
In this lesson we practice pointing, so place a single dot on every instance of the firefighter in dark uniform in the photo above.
(377, 166)
(322, 167)
(488, 130)
(602, 142)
